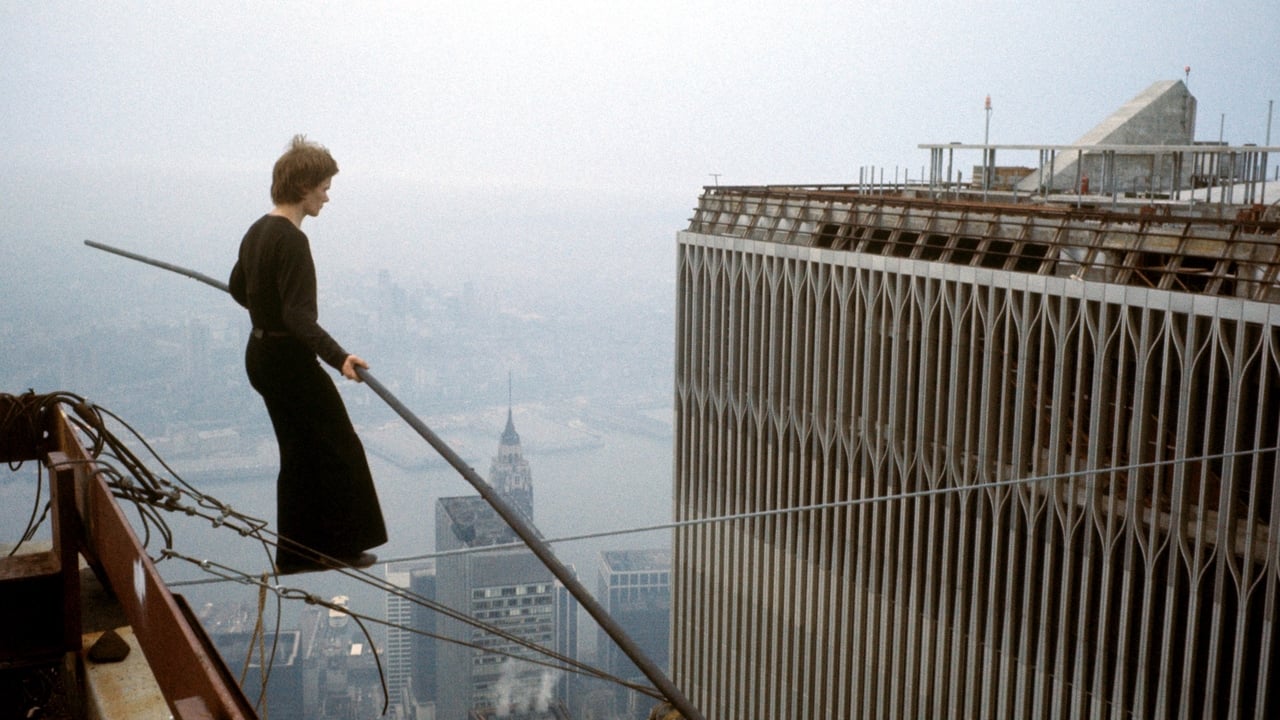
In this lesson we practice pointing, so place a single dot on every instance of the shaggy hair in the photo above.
(301, 169)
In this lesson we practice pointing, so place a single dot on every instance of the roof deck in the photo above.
(1208, 248)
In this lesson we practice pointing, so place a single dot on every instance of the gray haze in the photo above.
(545, 142)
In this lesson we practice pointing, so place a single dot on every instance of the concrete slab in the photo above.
(124, 690)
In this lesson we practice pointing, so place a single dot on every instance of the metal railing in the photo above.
(1236, 257)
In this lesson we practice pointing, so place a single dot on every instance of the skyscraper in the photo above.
(509, 472)
(506, 587)
(1010, 460)
(409, 651)
(634, 586)
(399, 648)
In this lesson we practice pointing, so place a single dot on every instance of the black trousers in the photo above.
(325, 497)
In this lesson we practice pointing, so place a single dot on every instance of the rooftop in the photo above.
(475, 523)
(636, 560)
(1205, 248)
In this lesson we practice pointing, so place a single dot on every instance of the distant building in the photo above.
(634, 586)
(409, 653)
(398, 652)
(283, 693)
(423, 683)
(566, 609)
(509, 472)
(508, 588)
(340, 674)
(555, 711)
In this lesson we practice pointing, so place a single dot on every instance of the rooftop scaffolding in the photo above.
(1154, 246)
(1148, 173)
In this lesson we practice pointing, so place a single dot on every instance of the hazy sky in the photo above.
(459, 125)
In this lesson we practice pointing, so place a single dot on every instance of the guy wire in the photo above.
(838, 504)
(150, 495)
(227, 574)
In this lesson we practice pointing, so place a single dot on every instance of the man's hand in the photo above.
(349, 367)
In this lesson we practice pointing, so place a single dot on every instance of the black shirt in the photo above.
(275, 279)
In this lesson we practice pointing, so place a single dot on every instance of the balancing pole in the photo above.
(522, 527)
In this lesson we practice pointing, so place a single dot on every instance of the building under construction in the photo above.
(955, 451)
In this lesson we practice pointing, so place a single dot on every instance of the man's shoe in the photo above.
(361, 561)
(294, 565)
(304, 565)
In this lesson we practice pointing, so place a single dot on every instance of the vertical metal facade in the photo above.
(1089, 468)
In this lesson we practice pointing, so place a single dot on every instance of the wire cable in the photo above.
(903, 496)
(150, 494)
(377, 583)
(225, 573)
(838, 504)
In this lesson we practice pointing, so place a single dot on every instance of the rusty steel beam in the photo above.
(188, 671)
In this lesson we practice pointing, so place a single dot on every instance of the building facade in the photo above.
(506, 588)
(409, 652)
(244, 651)
(954, 460)
(398, 650)
(634, 587)
(509, 471)
(499, 582)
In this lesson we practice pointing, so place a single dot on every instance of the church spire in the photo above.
(509, 473)
(509, 435)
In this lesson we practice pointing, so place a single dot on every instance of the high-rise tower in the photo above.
(410, 648)
(975, 460)
(634, 586)
(509, 472)
(507, 588)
